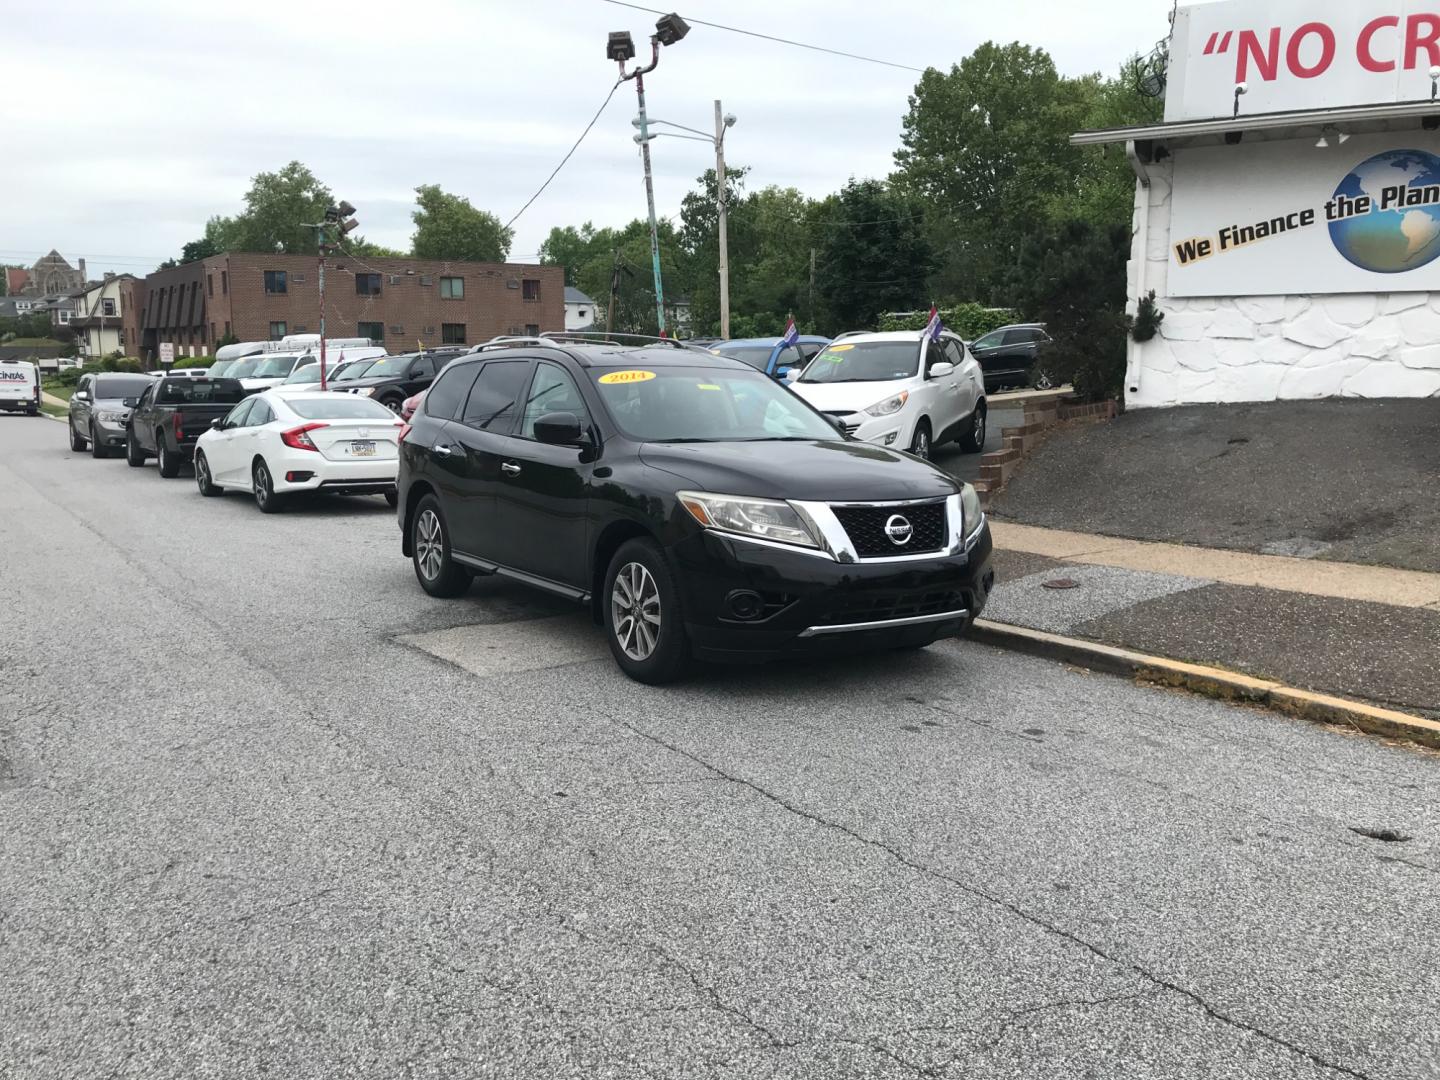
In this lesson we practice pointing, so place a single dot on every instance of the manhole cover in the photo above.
(1060, 583)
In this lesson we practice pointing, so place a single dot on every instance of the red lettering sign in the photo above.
(1363, 46)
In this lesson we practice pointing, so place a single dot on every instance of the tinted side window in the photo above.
(260, 414)
(933, 355)
(552, 390)
(954, 352)
(449, 392)
(491, 405)
(808, 352)
(789, 357)
(989, 341)
(423, 367)
(1019, 337)
(236, 416)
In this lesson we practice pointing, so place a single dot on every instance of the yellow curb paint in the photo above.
(1214, 682)
(1313, 577)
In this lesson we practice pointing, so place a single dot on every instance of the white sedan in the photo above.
(281, 442)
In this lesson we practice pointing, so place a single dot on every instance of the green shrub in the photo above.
(969, 320)
(193, 362)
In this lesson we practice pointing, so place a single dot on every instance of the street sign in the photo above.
(167, 353)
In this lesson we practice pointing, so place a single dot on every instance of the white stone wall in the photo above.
(1264, 348)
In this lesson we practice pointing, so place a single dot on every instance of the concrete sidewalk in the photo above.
(1360, 631)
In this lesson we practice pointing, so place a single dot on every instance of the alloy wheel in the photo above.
(979, 430)
(202, 474)
(262, 485)
(429, 544)
(921, 447)
(635, 611)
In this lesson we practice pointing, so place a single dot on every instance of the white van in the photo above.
(19, 387)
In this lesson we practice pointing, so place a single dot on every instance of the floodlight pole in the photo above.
(720, 194)
(323, 244)
(639, 76)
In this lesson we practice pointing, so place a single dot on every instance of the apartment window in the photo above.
(530, 289)
(227, 329)
(277, 331)
(452, 333)
(427, 279)
(107, 307)
(367, 284)
(212, 330)
(531, 330)
(202, 333)
(209, 284)
(225, 285)
(373, 330)
(452, 288)
(275, 281)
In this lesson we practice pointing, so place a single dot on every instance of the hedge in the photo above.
(970, 321)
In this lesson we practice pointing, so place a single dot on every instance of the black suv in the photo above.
(394, 378)
(1014, 356)
(699, 507)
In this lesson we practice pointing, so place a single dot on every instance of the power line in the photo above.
(769, 37)
(568, 154)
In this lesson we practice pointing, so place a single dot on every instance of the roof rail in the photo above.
(596, 337)
(851, 333)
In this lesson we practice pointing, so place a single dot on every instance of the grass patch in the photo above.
(53, 410)
(56, 388)
(33, 342)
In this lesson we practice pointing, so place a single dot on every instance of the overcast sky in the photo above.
(128, 125)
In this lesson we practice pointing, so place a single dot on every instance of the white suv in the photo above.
(900, 389)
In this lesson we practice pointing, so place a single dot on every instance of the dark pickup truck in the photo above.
(171, 414)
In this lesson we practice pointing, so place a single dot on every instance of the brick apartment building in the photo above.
(398, 303)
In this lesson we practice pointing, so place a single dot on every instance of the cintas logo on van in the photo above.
(15, 375)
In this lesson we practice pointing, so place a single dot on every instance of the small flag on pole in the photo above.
(419, 345)
(791, 335)
(933, 327)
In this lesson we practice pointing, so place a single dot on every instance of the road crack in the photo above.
(1214, 1012)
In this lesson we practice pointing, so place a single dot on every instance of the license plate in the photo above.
(362, 449)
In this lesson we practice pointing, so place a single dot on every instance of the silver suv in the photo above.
(99, 408)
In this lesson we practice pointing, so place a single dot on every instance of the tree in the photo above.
(873, 254)
(281, 209)
(1071, 276)
(448, 227)
(569, 247)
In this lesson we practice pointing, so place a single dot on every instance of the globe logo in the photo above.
(1401, 232)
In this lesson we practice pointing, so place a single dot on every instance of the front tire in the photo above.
(169, 461)
(203, 481)
(97, 448)
(438, 573)
(643, 619)
(920, 441)
(392, 499)
(77, 441)
(1041, 379)
(394, 404)
(264, 488)
(972, 438)
(134, 456)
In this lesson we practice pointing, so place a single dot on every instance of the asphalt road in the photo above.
(268, 810)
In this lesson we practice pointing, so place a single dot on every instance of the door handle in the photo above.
(509, 468)
(443, 451)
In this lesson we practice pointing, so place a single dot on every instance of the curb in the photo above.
(1211, 681)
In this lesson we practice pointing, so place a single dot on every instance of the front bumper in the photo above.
(111, 433)
(817, 605)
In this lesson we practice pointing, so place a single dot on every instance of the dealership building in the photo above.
(1287, 209)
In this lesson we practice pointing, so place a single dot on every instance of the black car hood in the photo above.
(350, 384)
(830, 471)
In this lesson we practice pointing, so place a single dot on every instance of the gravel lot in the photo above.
(1356, 481)
(269, 810)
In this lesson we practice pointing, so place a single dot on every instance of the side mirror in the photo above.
(217, 424)
(836, 423)
(130, 402)
(559, 429)
(81, 395)
(940, 370)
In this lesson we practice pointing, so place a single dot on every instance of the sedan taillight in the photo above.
(299, 438)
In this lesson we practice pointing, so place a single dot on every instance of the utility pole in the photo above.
(812, 290)
(668, 30)
(339, 221)
(614, 292)
(720, 195)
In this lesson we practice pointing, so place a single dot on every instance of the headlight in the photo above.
(112, 417)
(363, 391)
(763, 518)
(970, 507)
(890, 405)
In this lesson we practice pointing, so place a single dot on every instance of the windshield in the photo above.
(243, 369)
(308, 374)
(340, 407)
(706, 405)
(757, 356)
(121, 386)
(864, 361)
(221, 367)
(275, 367)
(355, 370)
(388, 368)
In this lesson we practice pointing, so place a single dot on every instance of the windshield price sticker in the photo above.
(706, 386)
(625, 377)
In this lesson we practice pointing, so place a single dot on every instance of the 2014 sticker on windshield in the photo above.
(613, 377)
(833, 349)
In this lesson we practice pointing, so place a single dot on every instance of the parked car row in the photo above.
(697, 506)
